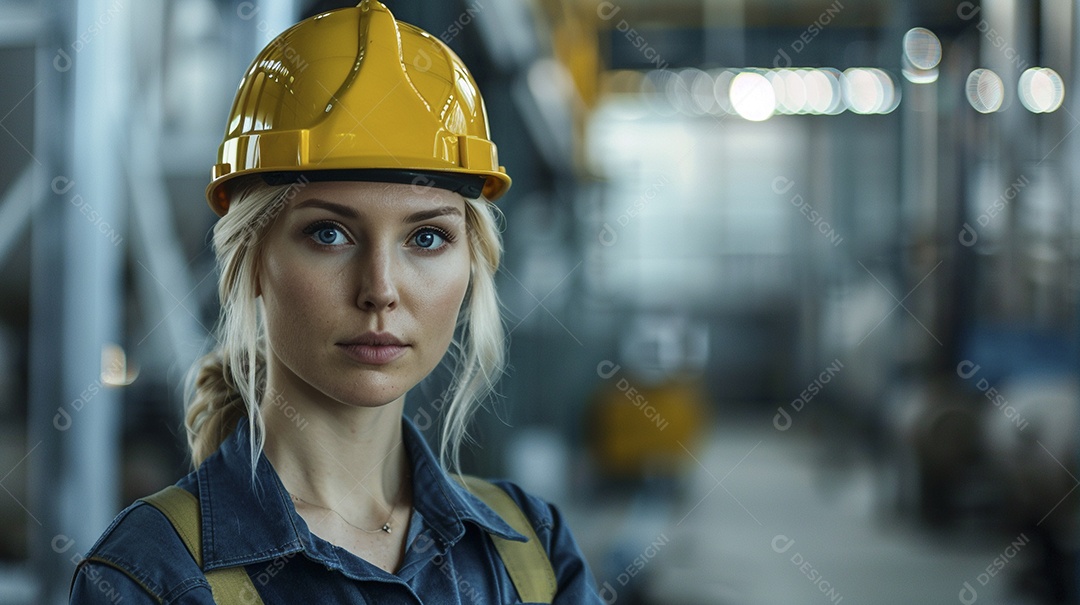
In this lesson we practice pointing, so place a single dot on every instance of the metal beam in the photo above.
(44, 389)
(77, 242)
(17, 206)
(20, 25)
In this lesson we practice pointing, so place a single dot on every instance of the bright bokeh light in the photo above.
(701, 92)
(776, 80)
(891, 91)
(752, 96)
(922, 48)
(822, 91)
(757, 94)
(678, 93)
(863, 91)
(985, 90)
(922, 54)
(915, 75)
(1041, 90)
(868, 90)
(794, 91)
(721, 89)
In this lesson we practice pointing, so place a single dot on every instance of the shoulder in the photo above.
(541, 513)
(547, 520)
(143, 556)
(553, 531)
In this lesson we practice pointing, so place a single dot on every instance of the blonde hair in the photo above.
(227, 384)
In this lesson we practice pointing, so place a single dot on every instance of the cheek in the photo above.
(439, 297)
(297, 297)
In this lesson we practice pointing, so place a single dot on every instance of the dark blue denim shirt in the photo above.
(448, 557)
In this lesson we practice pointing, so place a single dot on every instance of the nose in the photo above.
(378, 289)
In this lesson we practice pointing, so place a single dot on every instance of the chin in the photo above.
(371, 391)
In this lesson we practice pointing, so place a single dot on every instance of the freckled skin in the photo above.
(374, 275)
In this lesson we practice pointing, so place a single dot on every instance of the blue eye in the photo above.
(327, 234)
(430, 238)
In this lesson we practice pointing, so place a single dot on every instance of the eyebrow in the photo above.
(348, 212)
(341, 209)
(424, 215)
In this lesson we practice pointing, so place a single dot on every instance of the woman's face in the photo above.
(382, 266)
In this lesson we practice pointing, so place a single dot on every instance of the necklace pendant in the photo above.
(386, 528)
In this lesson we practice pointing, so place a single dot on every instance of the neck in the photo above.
(351, 459)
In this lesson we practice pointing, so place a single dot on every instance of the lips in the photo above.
(374, 348)
(374, 339)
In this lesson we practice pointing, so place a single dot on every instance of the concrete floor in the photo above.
(768, 518)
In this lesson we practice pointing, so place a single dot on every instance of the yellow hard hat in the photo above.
(354, 94)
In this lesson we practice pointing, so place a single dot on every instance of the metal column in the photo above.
(77, 239)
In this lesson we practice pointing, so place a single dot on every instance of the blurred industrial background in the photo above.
(791, 285)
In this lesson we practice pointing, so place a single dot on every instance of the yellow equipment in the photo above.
(638, 428)
(354, 94)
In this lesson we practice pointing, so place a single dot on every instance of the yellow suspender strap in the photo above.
(527, 562)
(229, 585)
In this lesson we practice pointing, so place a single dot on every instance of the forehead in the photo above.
(364, 196)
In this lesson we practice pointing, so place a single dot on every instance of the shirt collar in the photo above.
(442, 501)
(245, 522)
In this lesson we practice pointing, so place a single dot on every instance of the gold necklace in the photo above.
(385, 526)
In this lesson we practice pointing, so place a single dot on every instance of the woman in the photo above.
(357, 245)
